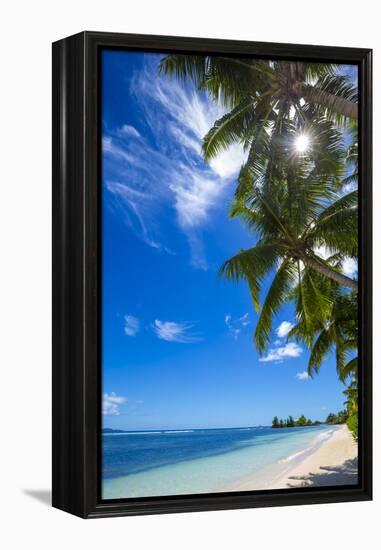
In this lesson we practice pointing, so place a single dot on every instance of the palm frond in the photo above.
(321, 349)
(252, 264)
(275, 298)
(230, 128)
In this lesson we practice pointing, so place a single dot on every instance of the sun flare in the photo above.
(302, 143)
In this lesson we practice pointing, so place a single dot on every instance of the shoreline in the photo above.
(332, 461)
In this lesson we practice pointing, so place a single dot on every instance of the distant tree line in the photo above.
(340, 418)
(290, 422)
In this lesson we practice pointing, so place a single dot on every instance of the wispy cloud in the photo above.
(131, 325)
(111, 403)
(349, 266)
(129, 130)
(285, 352)
(174, 332)
(284, 328)
(303, 375)
(135, 207)
(164, 164)
(235, 325)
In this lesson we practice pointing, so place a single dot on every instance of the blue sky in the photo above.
(177, 340)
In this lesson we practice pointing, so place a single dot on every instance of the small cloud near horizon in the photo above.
(111, 402)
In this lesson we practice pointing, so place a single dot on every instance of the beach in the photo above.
(190, 461)
(330, 462)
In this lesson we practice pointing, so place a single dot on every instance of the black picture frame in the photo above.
(76, 276)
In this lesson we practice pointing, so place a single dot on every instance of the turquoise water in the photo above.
(175, 462)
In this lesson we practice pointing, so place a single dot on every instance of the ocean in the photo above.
(179, 462)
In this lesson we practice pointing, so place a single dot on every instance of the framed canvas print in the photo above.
(211, 274)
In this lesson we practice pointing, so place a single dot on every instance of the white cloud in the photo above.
(323, 251)
(349, 267)
(284, 328)
(174, 332)
(111, 148)
(194, 194)
(278, 354)
(244, 320)
(168, 168)
(129, 130)
(181, 117)
(303, 375)
(235, 326)
(131, 325)
(111, 403)
(228, 162)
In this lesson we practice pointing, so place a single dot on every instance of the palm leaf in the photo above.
(252, 265)
(275, 298)
(229, 129)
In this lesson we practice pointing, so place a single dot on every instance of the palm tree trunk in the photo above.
(330, 273)
(332, 102)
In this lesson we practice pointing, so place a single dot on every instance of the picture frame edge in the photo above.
(76, 256)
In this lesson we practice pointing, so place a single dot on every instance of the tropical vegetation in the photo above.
(297, 194)
(290, 422)
(340, 418)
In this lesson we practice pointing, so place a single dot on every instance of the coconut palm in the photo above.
(295, 211)
(259, 93)
(292, 203)
(334, 329)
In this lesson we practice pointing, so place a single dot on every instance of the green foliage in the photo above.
(276, 85)
(352, 423)
(339, 418)
(231, 128)
(290, 422)
(340, 332)
(301, 421)
(275, 423)
(252, 264)
(295, 204)
(352, 407)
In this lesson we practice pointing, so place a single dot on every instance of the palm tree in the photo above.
(293, 203)
(339, 331)
(259, 93)
(295, 209)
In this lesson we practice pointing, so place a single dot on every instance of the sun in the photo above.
(302, 143)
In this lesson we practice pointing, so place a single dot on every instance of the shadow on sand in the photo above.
(344, 474)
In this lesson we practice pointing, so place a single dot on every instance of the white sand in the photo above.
(333, 463)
